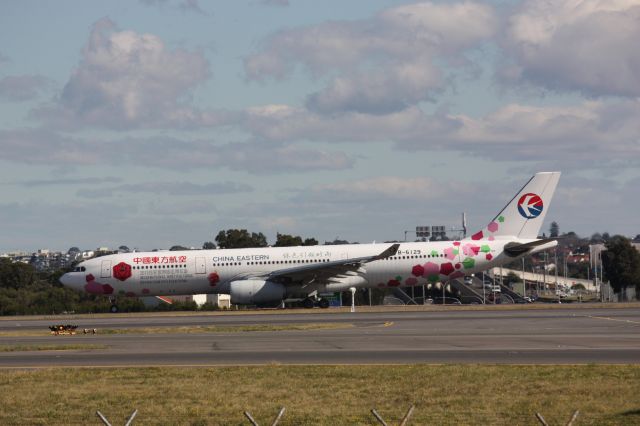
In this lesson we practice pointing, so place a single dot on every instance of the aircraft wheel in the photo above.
(324, 303)
(307, 303)
(113, 309)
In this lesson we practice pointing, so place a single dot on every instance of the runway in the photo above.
(524, 336)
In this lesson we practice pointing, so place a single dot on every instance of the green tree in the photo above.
(310, 242)
(621, 262)
(208, 246)
(240, 238)
(596, 238)
(16, 274)
(554, 229)
(178, 248)
(336, 242)
(286, 240)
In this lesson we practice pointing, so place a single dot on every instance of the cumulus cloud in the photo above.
(589, 46)
(39, 146)
(390, 89)
(168, 188)
(126, 79)
(18, 88)
(67, 181)
(572, 135)
(387, 188)
(383, 64)
(43, 147)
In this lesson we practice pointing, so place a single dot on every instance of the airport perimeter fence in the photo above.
(378, 418)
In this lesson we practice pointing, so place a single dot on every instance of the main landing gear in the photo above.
(309, 303)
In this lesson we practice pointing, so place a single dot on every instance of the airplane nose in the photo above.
(71, 280)
(65, 279)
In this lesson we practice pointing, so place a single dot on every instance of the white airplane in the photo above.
(273, 274)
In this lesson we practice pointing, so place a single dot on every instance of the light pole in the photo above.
(555, 264)
(524, 281)
(484, 301)
(405, 235)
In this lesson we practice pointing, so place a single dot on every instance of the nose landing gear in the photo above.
(114, 308)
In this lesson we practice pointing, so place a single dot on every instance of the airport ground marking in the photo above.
(614, 319)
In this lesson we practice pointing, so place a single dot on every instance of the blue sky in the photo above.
(161, 122)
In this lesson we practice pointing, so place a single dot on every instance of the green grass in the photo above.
(225, 328)
(48, 347)
(323, 395)
(191, 329)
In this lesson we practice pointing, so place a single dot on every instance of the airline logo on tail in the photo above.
(530, 205)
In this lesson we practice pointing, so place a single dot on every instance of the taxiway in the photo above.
(523, 336)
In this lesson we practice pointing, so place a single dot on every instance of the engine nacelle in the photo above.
(251, 292)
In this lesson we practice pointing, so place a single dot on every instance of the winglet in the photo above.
(391, 251)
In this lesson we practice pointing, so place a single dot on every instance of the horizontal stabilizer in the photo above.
(517, 249)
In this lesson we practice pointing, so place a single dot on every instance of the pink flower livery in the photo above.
(213, 279)
(417, 270)
(122, 271)
(446, 269)
(94, 287)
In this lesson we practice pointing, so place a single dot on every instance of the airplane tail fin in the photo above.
(523, 216)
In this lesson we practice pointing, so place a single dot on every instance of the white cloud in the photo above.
(568, 136)
(126, 80)
(383, 64)
(393, 88)
(386, 187)
(589, 46)
(167, 188)
(67, 181)
(39, 146)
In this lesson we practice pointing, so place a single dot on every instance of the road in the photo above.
(524, 336)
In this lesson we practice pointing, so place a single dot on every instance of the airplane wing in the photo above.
(319, 271)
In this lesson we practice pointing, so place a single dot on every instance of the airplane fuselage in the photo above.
(212, 271)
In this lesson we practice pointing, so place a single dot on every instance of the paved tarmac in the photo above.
(523, 336)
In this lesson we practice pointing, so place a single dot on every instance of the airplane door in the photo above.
(201, 267)
(106, 269)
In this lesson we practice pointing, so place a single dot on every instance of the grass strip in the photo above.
(226, 329)
(301, 311)
(47, 347)
(324, 395)
(190, 329)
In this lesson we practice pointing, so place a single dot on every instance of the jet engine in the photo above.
(254, 292)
